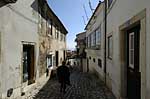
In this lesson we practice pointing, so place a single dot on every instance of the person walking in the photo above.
(63, 75)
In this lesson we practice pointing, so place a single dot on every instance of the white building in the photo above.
(26, 46)
(95, 38)
(128, 37)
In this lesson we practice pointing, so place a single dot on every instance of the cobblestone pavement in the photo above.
(84, 86)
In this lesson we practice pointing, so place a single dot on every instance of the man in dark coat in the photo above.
(63, 76)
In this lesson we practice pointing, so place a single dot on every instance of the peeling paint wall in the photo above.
(17, 24)
(22, 22)
(49, 43)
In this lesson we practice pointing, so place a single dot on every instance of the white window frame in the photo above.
(131, 50)
(98, 36)
(49, 61)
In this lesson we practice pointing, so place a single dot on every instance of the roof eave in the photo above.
(93, 15)
(66, 32)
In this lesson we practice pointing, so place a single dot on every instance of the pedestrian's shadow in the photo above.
(51, 90)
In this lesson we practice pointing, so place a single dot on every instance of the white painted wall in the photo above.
(122, 11)
(96, 23)
(17, 24)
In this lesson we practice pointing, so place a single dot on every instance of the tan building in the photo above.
(128, 37)
(52, 40)
(95, 42)
(81, 54)
(29, 43)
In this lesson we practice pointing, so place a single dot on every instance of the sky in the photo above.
(71, 13)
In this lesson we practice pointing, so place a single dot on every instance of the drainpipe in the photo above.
(105, 34)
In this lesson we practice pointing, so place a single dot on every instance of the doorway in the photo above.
(133, 70)
(87, 65)
(64, 54)
(57, 57)
(28, 63)
(49, 61)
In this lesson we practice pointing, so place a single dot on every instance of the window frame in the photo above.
(110, 50)
(98, 37)
(49, 61)
(131, 49)
(49, 27)
(99, 62)
(56, 32)
(109, 3)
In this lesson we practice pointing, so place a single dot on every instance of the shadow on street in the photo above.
(84, 86)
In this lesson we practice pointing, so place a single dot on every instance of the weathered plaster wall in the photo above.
(60, 46)
(49, 44)
(18, 23)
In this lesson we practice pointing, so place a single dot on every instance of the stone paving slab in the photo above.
(84, 86)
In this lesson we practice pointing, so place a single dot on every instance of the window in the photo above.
(98, 37)
(94, 60)
(100, 63)
(49, 61)
(131, 50)
(86, 42)
(93, 37)
(110, 47)
(49, 24)
(90, 57)
(56, 33)
(89, 41)
(64, 38)
(109, 2)
(61, 37)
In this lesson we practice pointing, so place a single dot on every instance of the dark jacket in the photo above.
(63, 74)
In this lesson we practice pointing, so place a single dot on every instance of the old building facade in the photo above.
(26, 48)
(80, 47)
(124, 38)
(127, 35)
(52, 39)
(95, 41)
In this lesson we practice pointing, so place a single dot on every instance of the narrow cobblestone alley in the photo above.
(84, 86)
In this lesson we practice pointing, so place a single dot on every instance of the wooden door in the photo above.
(57, 58)
(87, 65)
(133, 70)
